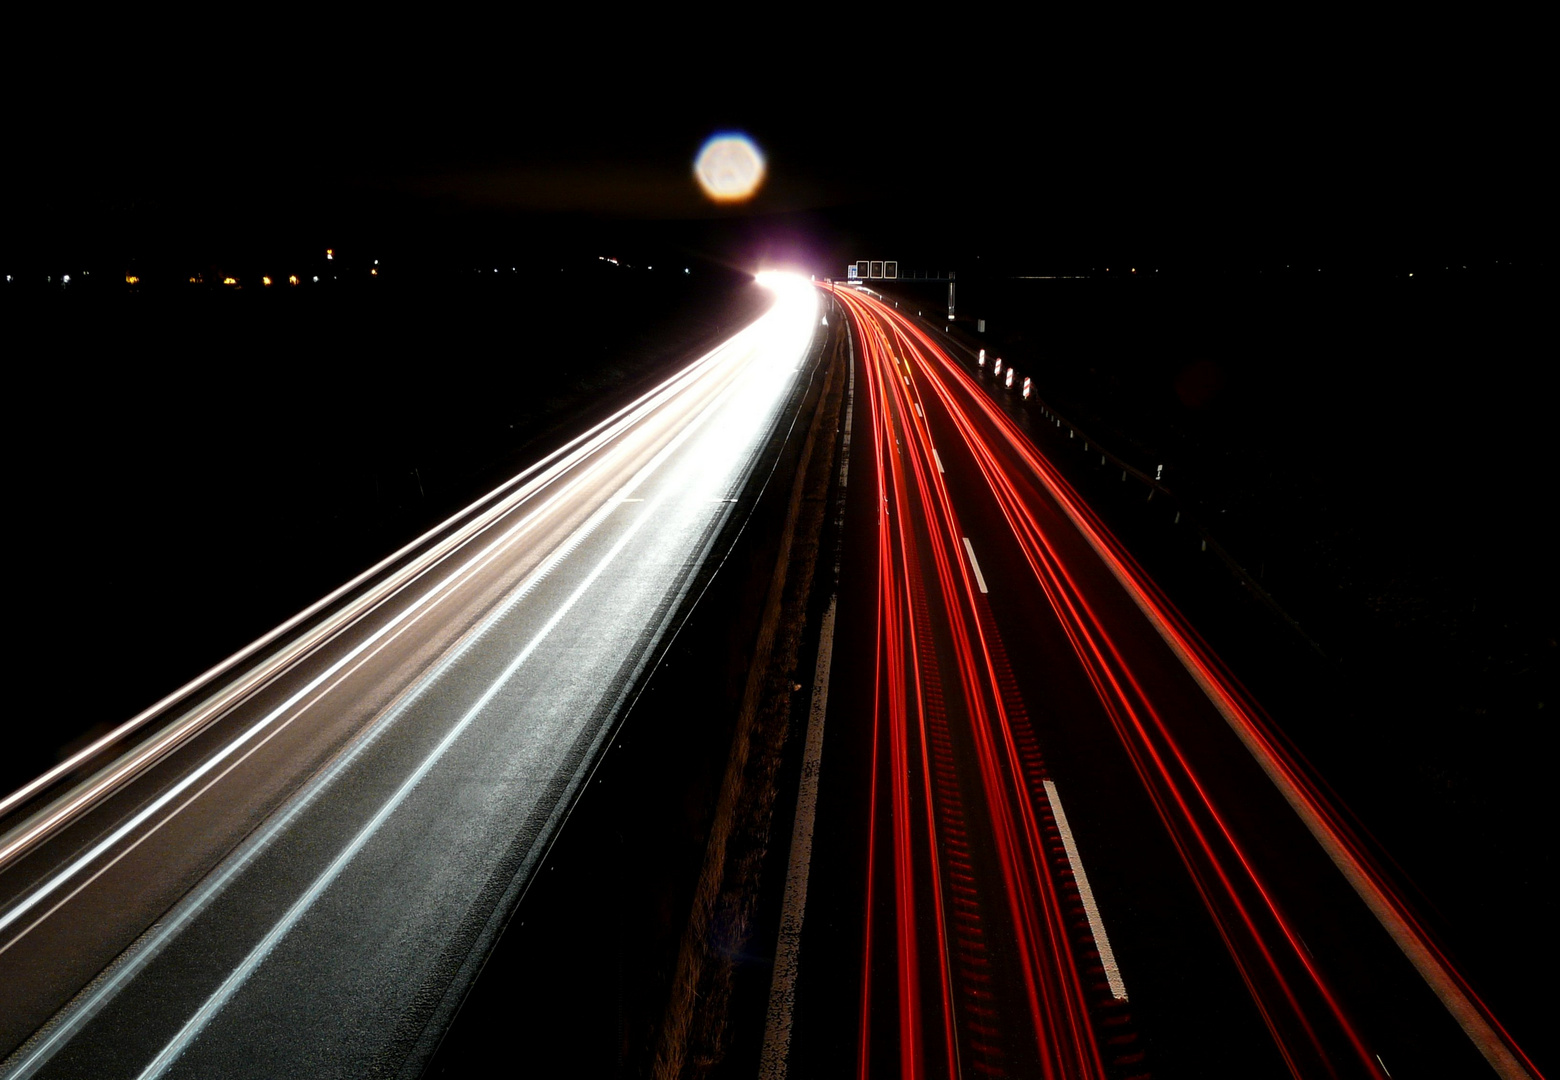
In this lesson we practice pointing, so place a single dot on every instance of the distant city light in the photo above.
(229, 281)
(330, 253)
(729, 167)
(316, 277)
(65, 279)
(292, 279)
(265, 281)
(374, 272)
(130, 279)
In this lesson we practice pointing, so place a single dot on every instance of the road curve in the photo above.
(295, 866)
(1228, 921)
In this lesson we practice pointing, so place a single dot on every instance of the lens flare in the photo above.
(729, 168)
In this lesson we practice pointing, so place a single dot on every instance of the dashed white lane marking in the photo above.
(937, 459)
(1118, 988)
(918, 411)
(979, 577)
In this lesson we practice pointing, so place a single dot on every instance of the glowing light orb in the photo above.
(729, 167)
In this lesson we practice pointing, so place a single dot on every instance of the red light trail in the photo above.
(965, 886)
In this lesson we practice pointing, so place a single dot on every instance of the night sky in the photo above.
(1048, 142)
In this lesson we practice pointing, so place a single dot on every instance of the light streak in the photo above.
(1278, 969)
(974, 565)
(745, 375)
(910, 724)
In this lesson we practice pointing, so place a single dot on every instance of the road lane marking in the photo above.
(782, 988)
(918, 411)
(775, 1055)
(937, 459)
(1118, 989)
(979, 578)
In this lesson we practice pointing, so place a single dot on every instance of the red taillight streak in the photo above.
(1069, 1015)
(1086, 632)
(1058, 1022)
(1052, 576)
(1012, 836)
(1327, 822)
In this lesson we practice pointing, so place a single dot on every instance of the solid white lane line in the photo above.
(937, 459)
(1118, 988)
(979, 577)
(782, 987)
(775, 1056)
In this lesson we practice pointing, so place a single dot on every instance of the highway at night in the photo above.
(295, 864)
(1061, 839)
